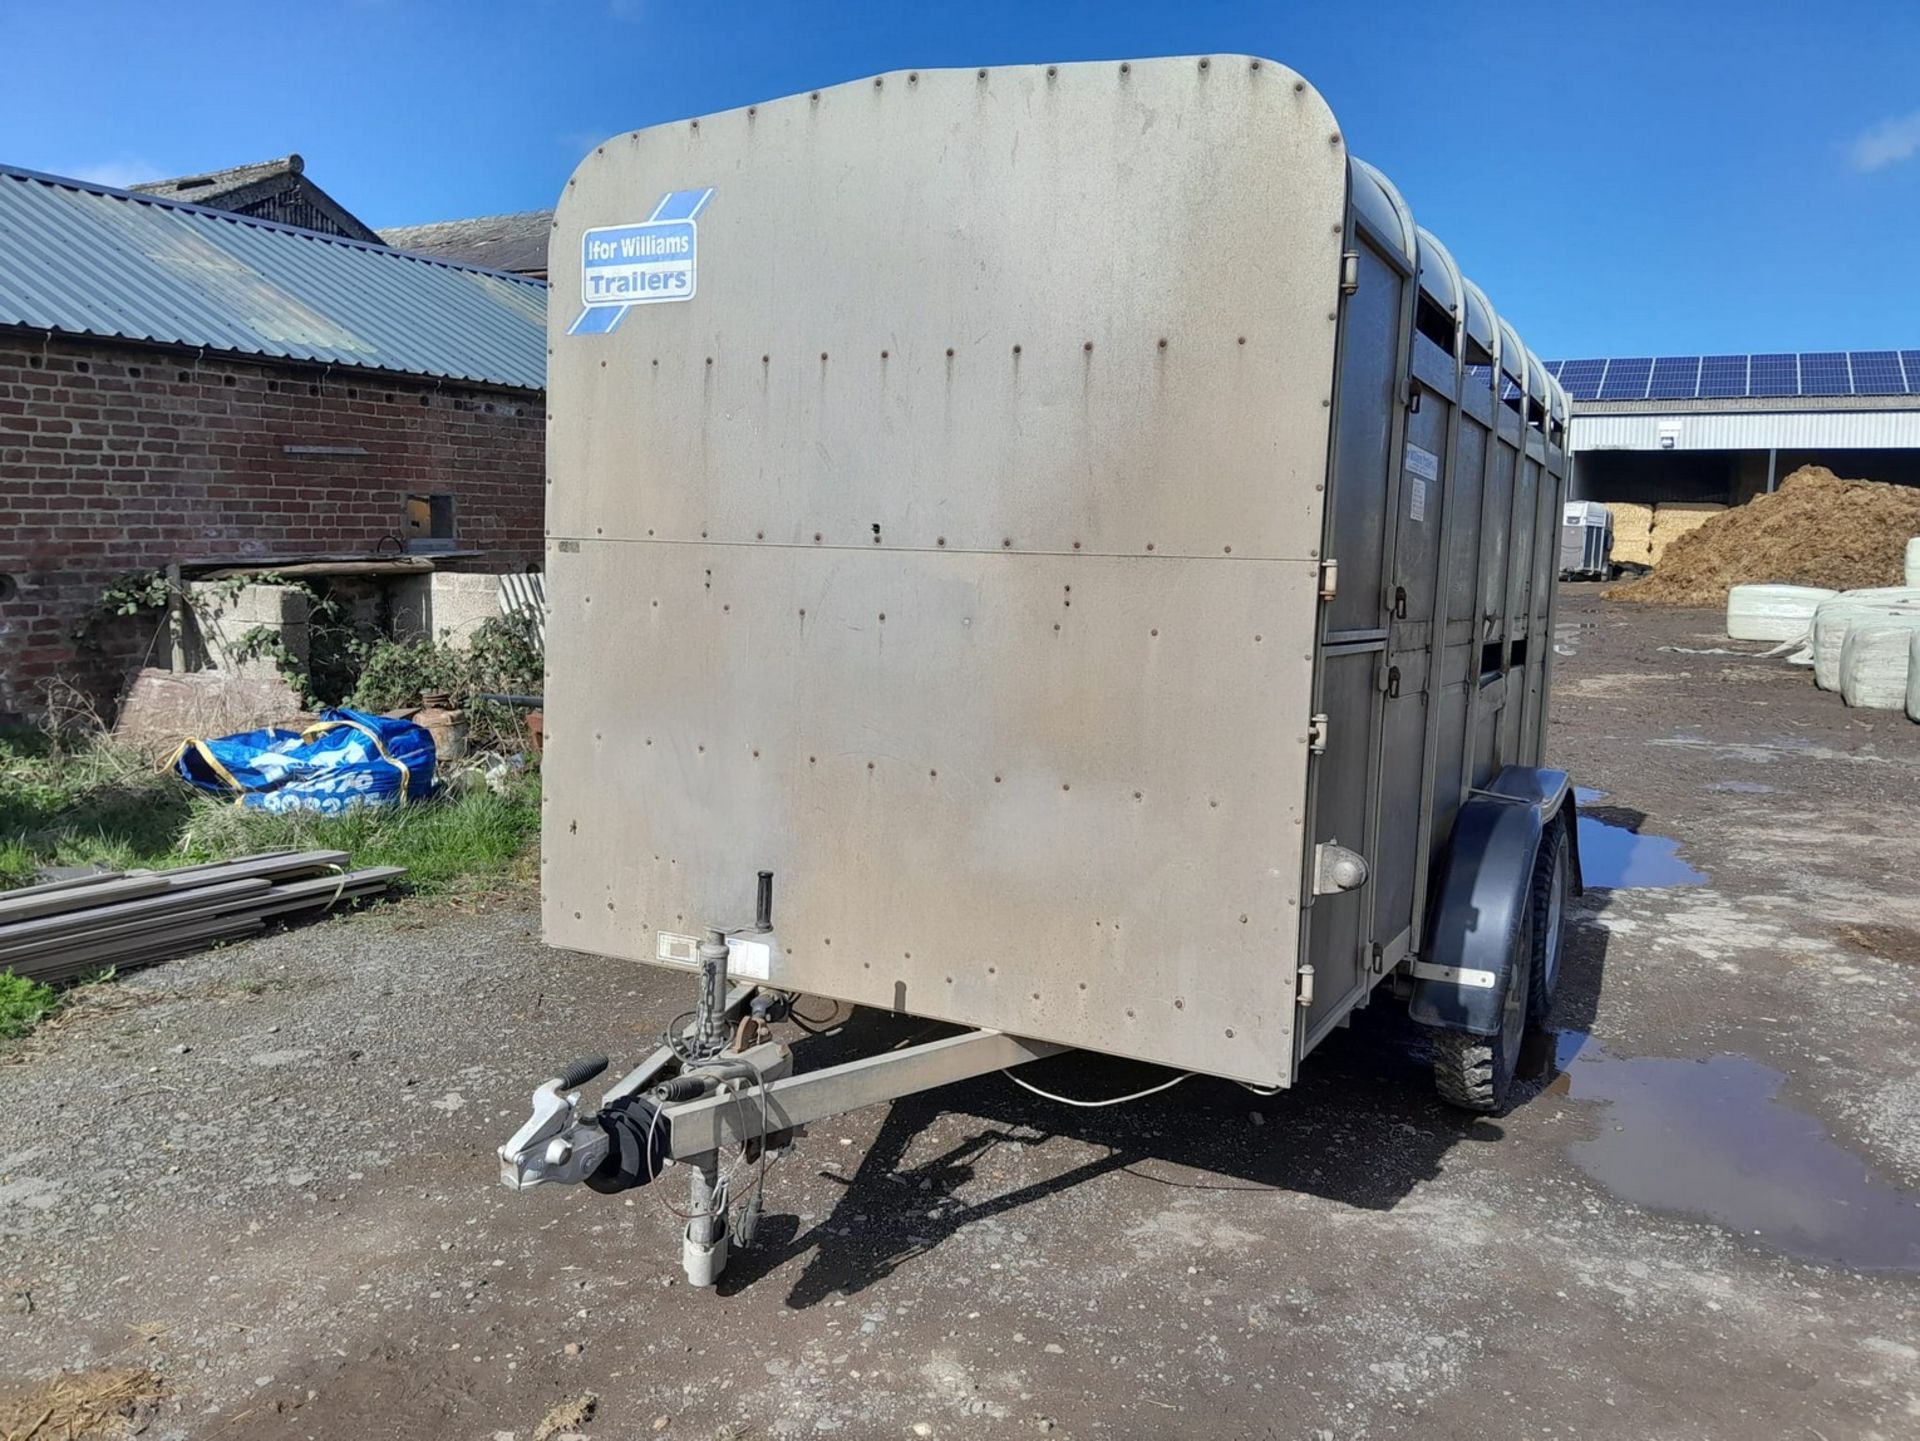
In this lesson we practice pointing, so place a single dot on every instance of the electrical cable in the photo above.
(1096, 1105)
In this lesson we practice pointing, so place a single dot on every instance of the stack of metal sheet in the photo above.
(65, 929)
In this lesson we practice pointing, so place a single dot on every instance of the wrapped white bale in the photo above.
(1831, 618)
(1773, 612)
(1913, 676)
(1913, 561)
(1874, 661)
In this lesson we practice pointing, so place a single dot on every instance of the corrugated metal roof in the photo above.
(1796, 430)
(88, 260)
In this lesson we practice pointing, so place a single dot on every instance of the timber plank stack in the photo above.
(66, 929)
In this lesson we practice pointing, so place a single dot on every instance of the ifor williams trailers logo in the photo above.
(622, 266)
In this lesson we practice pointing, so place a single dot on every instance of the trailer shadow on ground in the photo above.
(1362, 1128)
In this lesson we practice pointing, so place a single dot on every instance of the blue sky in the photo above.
(1626, 177)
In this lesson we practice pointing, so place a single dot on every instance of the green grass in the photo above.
(446, 845)
(101, 804)
(23, 1005)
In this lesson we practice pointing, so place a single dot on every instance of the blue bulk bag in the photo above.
(344, 759)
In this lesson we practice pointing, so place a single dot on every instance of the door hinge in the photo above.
(1377, 959)
(1306, 984)
(1393, 682)
(1317, 734)
(1399, 602)
(1349, 272)
(1329, 579)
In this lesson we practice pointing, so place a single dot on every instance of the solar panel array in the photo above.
(1715, 377)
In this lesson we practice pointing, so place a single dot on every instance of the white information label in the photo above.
(1417, 499)
(1423, 463)
(747, 959)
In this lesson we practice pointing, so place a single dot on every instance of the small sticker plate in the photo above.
(748, 960)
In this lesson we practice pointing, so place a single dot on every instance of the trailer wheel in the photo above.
(1552, 883)
(1473, 1072)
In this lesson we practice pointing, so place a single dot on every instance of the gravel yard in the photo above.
(266, 1173)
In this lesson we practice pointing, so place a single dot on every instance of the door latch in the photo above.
(1336, 869)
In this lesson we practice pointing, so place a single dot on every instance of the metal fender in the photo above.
(1461, 979)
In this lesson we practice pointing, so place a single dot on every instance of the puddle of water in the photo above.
(1707, 1138)
(1745, 788)
(1613, 858)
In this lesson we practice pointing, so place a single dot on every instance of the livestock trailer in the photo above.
(1051, 549)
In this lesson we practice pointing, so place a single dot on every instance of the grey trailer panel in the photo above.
(953, 552)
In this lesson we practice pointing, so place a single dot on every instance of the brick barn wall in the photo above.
(116, 459)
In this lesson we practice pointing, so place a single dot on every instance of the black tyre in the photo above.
(1473, 1072)
(1552, 884)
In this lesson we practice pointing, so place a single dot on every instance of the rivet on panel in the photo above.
(1299, 87)
(759, 535)
(816, 537)
(1253, 65)
(765, 359)
(1088, 346)
(883, 354)
(752, 110)
(942, 540)
(1163, 342)
(1243, 340)
(982, 75)
(883, 617)
(1226, 550)
(949, 352)
(1178, 1004)
(1016, 348)
(1126, 69)
(1257, 639)
(1065, 787)
(693, 124)
(869, 765)
(701, 749)
(913, 77)
(756, 756)
(803, 609)
(1149, 545)
(996, 780)
(1006, 543)
(1213, 803)
(933, 775)
(814, 96)
(1052, 70)
(1243, 919)
(1136, 795)
(878, 81)
(823, 355)
(1334, 139)
(993, 970)
(1154, 631)
(813, 760)
(1203, 62)
(709, 360)
(1229, 1033)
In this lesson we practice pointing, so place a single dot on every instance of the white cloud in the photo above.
(119, 172)
(1888, 142)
